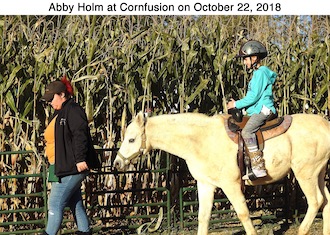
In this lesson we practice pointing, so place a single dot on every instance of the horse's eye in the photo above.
(131, 140)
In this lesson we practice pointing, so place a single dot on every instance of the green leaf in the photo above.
(12, 77)
(11, 102)
(200, 87)
(185, 45)
(191, 56)
(27, 108)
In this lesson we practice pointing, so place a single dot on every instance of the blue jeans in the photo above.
(67, 192)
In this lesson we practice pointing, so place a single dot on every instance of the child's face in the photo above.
(248, 61)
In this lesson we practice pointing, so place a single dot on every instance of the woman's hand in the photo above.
(231, 104)
(82, 166)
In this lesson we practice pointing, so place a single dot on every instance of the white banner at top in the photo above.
(164, 7)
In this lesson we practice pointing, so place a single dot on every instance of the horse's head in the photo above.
(134, 143)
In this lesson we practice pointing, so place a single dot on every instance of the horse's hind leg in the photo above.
(326, 212)
(311, 189)
(326, 204)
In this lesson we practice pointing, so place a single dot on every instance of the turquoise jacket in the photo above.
(259, 92)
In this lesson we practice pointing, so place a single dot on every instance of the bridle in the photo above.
(127, 160)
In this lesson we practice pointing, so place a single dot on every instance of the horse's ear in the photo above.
(139, 118)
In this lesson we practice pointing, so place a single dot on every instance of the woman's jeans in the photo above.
(65, 193)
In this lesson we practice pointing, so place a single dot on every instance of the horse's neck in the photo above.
(177, 134)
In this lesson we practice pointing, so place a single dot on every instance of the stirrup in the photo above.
(250, 175)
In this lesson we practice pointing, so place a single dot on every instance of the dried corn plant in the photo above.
(120, 65)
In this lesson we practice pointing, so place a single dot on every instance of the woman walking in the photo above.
(70, 152)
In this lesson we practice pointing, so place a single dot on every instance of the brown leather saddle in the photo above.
(272, 128)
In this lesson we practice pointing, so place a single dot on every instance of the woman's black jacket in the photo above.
(73, 141)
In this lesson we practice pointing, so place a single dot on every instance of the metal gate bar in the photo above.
(41, 195)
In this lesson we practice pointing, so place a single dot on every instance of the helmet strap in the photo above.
(255, 64)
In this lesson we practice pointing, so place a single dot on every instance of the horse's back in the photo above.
(310, 121)
(310, 126)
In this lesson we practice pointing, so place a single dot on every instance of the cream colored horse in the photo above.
(211, 158)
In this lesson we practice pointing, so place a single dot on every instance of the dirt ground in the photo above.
(279, 228)
(274, 229)
(266, 229)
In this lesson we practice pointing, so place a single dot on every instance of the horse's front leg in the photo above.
(205, 200)
(233, 191)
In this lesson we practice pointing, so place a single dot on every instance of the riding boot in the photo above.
(257, 165)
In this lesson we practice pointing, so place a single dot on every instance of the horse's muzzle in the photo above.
(119, 163)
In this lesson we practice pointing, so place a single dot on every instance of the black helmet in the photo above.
(252, 48)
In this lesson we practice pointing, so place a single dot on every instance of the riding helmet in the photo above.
(251, 48)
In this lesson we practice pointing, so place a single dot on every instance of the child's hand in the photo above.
(231, 104)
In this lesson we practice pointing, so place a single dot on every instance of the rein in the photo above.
(127, 160)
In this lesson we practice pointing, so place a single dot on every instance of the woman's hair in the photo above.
(69, 89)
